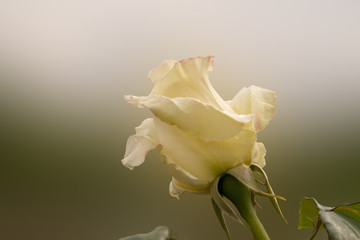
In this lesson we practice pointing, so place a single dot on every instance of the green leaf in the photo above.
(340, 227)
(341, 222)
(159, 233)
(309, 213)
(350, 210)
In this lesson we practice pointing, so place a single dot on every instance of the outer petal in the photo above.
(258, 154)
(176, 188)
(140, 144)
(187, 78)
(204, 159)
(184, 181)
(191, 115)
(257, 101)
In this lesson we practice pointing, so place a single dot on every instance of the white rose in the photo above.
(200, 135)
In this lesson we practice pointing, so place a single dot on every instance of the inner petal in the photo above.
(190, 78)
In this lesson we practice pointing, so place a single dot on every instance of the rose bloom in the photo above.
(199, 134)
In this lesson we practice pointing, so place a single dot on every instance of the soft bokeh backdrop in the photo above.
(65, 65)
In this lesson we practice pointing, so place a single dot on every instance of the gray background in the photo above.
(65, 65)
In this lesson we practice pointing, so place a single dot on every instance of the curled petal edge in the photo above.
(137, 148)
(192, 115)
(187, 78)
(257, 101)
(176, 188)
(140, 144)
(160, 72)
(258, 154)
(183, 181)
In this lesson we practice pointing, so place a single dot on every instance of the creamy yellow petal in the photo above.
(191, 115)
(184, 181)
(204, 159)
(188, 78)
(257, 101)
(258, 154)
(160, 72)
(140, 144)
(176, 188)
(148, 130)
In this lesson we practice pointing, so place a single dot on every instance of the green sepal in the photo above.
(243, 174)
(246, 176)
(220, 215)
(221, 207)
(341, 222)
(273, 199)
(218, 199)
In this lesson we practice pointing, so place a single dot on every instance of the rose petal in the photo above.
(140, 144)
(184, 181)
(204, 159)
(187, 78)
(160, 72)
(176, 188)
(258, 154)
(257, 101)
(147, 129)
(191, 115)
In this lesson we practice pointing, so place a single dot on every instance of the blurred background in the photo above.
(65, 66)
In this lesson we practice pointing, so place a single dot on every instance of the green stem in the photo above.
(241, 197)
